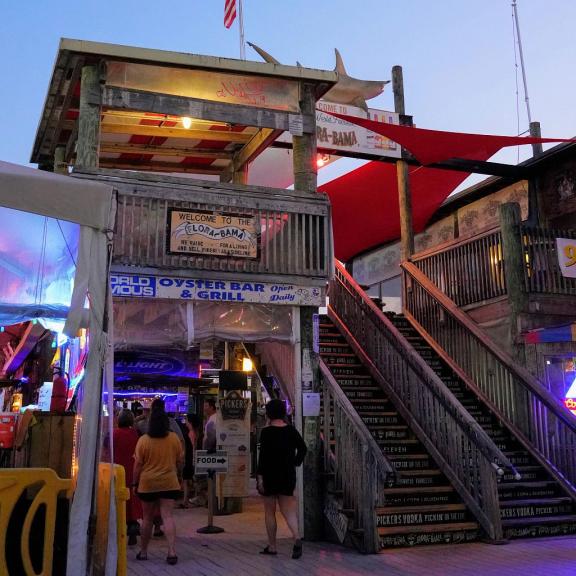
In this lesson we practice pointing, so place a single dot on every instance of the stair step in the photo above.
(449, 527)
(419, 490)
(354, 377)
(385, 510)
(444, 534)
(508, 522)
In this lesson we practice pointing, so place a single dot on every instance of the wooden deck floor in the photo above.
(235, 552)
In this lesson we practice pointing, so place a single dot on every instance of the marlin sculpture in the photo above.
(347, 90)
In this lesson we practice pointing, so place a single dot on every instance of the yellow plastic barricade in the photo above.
(103, 508)
(45, 486)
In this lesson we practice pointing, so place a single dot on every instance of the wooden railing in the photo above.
(468, 271)
(293, 237)
(460, 447)
(542, 273)
(360, 469)
(519, 400)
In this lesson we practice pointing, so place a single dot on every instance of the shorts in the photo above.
(163, 495)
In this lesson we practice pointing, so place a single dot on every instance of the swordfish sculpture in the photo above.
(347, 90)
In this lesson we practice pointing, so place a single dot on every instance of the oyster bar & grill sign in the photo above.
(170, 287)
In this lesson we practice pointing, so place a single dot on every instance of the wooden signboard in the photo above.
(212, 234)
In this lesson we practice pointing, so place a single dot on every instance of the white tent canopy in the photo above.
(92, 206)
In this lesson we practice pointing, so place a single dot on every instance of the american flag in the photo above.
(229, 12)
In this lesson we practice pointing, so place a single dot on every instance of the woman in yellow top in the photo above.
(158, 462)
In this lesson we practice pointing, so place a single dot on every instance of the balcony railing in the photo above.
(293, 228)
(467, 271)
(542, 273)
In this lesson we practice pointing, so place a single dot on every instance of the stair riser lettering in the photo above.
(420, 518)
(532, 511)
(540, 531)
(408, 540)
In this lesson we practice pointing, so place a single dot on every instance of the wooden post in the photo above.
(312, 473)
(60, 165)
(533, 188)
(240, 176)
(536, 133)
(304, 147)
(514, 267)
(87, 152)
(405, 202)
(514, 262)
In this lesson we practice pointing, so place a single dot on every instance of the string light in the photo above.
(186, 122)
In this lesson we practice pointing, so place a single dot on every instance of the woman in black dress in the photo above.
(281, 450)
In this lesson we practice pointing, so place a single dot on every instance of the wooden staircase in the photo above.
(420, 506)
(535, 506)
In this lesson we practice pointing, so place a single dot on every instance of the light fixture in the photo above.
(186, 122)
(247, 365)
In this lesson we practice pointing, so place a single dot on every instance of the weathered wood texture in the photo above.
(60, 166)
(542, 274)
(547, 429)
(313, 513)
(468, 271)
(88, 147)
(359, 469)
(304, 147)
(460, 447)
(294, 238)
(513, 256)
(128, 99)
(49, 444)
(406, 229)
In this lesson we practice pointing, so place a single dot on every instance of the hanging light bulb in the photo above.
(186, 122)
(247, 365)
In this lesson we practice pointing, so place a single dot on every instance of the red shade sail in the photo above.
(430, 146)
(365, 207)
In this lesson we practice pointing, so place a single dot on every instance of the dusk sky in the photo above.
(457, 56)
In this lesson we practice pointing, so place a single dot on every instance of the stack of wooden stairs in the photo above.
(536, 505)
(421, 506)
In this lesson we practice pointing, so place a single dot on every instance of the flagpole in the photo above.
(241, 28)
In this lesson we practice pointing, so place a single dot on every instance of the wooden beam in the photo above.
(406, 228)
(173, 132)
(256, 145)
(128, 99)
(304, 146)
(89, 119)
(175, 168)
(113, 148)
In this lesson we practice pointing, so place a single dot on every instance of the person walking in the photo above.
(125, 439)
(158, 463)
(281, 451)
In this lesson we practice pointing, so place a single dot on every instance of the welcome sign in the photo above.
(212, 234)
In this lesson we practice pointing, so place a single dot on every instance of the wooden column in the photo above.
(305, 172)
(312, 473)
(87, 151)
(405, 202)
(240, 176)
(60, 165)
(533, 185)
(304, 147)
(514, 263)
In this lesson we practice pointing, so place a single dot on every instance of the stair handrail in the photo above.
(464, 452)
(535, 440)
(384, 464)
(530, 381)
(360, 470)
(483, 440)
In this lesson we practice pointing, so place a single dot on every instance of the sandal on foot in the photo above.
(172, 560)
(141, 556)
(268, 552)
(297, 550)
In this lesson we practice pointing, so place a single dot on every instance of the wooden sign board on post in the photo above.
(206, 461)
